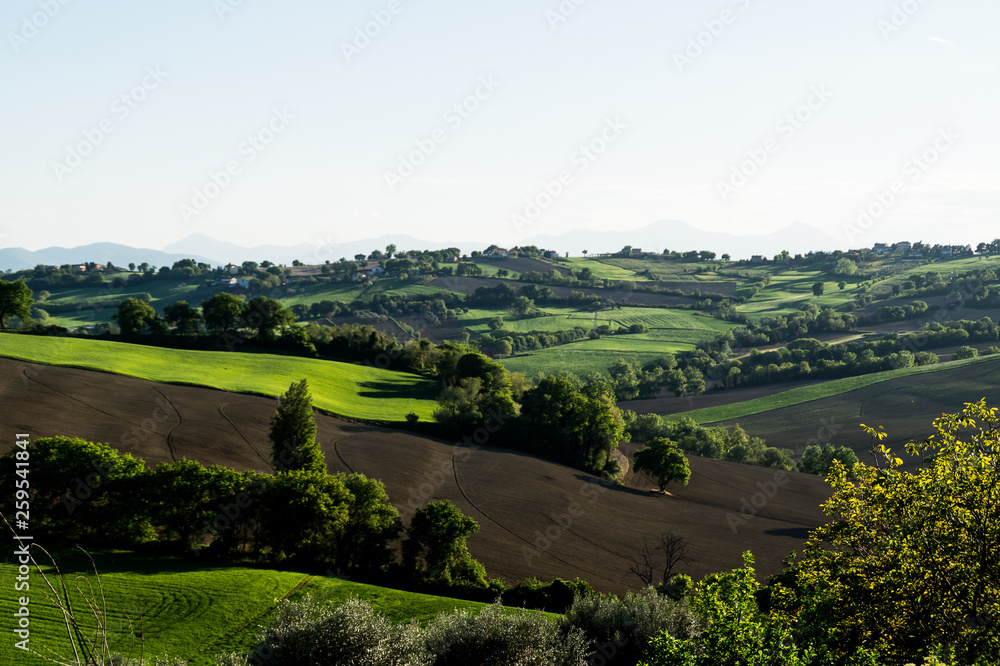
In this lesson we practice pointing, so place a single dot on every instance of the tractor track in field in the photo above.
(465, 494)
(245, 438)
(180, 421)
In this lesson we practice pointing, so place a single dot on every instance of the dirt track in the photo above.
(537, 518)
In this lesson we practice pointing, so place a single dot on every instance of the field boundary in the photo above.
(827, 389)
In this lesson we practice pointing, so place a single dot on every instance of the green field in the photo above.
(190, 609)
(354, 391)
(602, 270)
(576, 360)
(790, 290)
(817, 391)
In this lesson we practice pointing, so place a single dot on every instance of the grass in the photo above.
(790, 290)
(354, 391)
(191, 609)
(602, 270)
(577, 360)
(817, 392)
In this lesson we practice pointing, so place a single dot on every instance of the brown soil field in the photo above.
(537, 518)
(905, 407)
(523, 264)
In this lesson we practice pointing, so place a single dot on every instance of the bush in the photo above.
(352, 634)
(497, 638)
(620, 629)
(966, 352)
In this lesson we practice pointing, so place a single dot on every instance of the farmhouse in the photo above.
(881, 249)
(245, 284)
(904, 246)
(81, 268)
(232, 269)
(500, 252)
(757, 259)
(225, 282)
(378, 270)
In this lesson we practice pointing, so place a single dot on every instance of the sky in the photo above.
(310, 121)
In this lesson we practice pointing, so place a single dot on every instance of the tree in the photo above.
(435, 545)
(965, 352)
(305, 514)
(15, 301)
(645, 567)
(268, 316)
(726, 257)
(372, 522)
(496, 323)
(910, 560)
(818, 289)
(665, 461)
(390, 250)
(133, 315)
(223, 312)
(521, 305)
(183, 316)
(293, 432)
(842, 285)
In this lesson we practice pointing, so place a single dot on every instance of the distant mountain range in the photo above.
(672, 235)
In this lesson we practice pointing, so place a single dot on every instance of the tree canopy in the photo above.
(293, 433)
(15, 301)
(665, 461)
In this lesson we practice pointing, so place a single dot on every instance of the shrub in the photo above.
(497, 638)
(351, 634)
(620, 628)
(966, 352)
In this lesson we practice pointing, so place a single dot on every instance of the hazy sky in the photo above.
(267, 122)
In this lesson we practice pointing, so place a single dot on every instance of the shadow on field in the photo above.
(389, 389)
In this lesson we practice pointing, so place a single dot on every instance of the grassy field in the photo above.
(190, 609)
(580, 361)
(790, 290)
(818, 391)
(602, 270)
(354, 391)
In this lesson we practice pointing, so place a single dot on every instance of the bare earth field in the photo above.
(905, 407)
(537, 518)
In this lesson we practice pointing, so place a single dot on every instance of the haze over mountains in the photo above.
(673, 235)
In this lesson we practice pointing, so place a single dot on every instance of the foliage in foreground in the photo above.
(352, 634)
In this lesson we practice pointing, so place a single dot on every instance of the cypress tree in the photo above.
(293, 433)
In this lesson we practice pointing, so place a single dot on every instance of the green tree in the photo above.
(842, 285)
(372, 522)
(223, 312)
(435, 545)
(133, 315)
(496, 323)
(910, 560)
(305, 514)
(521, 305)
(665, 461)
(966, 352)
(15, 301)
(267, 316)
(737, 632)
(183, 316)
(293, 433)
(819, 288)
